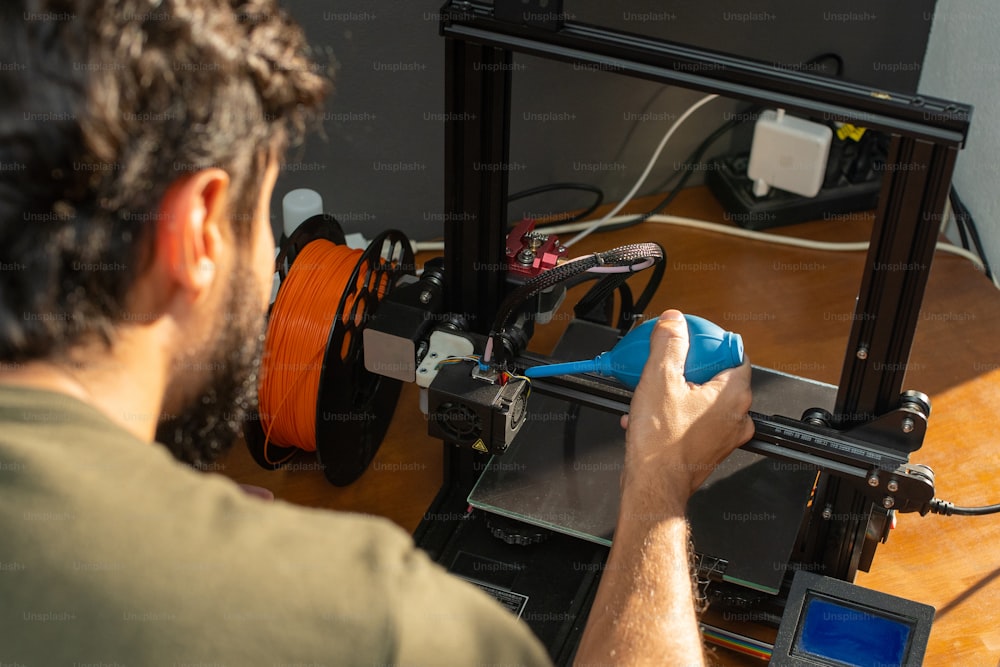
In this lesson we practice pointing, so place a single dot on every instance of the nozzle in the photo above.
(567, 368)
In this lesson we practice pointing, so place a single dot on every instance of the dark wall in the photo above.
(380, 164)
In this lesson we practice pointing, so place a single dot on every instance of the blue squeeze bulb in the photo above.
(712, 350)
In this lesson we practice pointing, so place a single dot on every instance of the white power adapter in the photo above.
(788, 153)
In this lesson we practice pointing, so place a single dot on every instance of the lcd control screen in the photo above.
(842, 633)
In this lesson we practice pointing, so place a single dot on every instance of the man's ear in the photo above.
(189, 230)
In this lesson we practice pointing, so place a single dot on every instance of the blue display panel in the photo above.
(846, 634)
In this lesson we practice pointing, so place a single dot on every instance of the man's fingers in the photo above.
(669, 341)
(741, 375)
(624, 421)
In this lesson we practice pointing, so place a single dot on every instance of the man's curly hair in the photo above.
(103, 104)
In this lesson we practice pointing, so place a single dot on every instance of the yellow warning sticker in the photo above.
(480, 446)
(848, 131)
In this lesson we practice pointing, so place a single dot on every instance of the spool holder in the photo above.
(353, 406)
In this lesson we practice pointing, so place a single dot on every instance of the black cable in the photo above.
(630, 310)
(688, 172)
(625, 295)
(963, 236)
(626, 313)
(960, 220)
(630, 255)
(654, 284)
(551, 187)
(962, 212)
(945, 508)
(624, 256)
(699, 152)
(696, 155)
(635, 126)
(601, 292)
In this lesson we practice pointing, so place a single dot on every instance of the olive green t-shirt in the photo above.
(112, 553)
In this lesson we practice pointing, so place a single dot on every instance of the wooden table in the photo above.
(793, 308)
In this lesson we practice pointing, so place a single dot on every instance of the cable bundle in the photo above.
(626, 259)
(301, 321)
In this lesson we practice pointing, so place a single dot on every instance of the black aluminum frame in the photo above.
(927, 135)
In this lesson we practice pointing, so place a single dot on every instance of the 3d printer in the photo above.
(828, 465)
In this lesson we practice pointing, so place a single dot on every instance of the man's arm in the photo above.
(676, 433)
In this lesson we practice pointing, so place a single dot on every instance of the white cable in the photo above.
(792, 241)
(962, 252)
(649, 167)
(800, 243)
(590, 226)
(719, 228)
(426, 246)
(762, 236)
(733, 231)
(758, 236)
(946, 217)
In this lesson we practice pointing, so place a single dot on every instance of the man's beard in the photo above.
(209, 425)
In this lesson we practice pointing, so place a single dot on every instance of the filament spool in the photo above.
(353, 407)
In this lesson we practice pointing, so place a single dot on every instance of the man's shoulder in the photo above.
(150, 555)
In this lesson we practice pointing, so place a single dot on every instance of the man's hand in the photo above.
(677, 433)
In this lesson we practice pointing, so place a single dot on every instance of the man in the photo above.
(139, 145)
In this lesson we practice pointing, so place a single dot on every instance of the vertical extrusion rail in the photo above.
(477, 162)
(907, 222)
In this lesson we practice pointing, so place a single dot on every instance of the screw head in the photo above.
(892, 486)
(425, 296)
(526, 257)
(862, 352)
(908, 425)
(873, 479)
(888, 502)
(827, 512)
